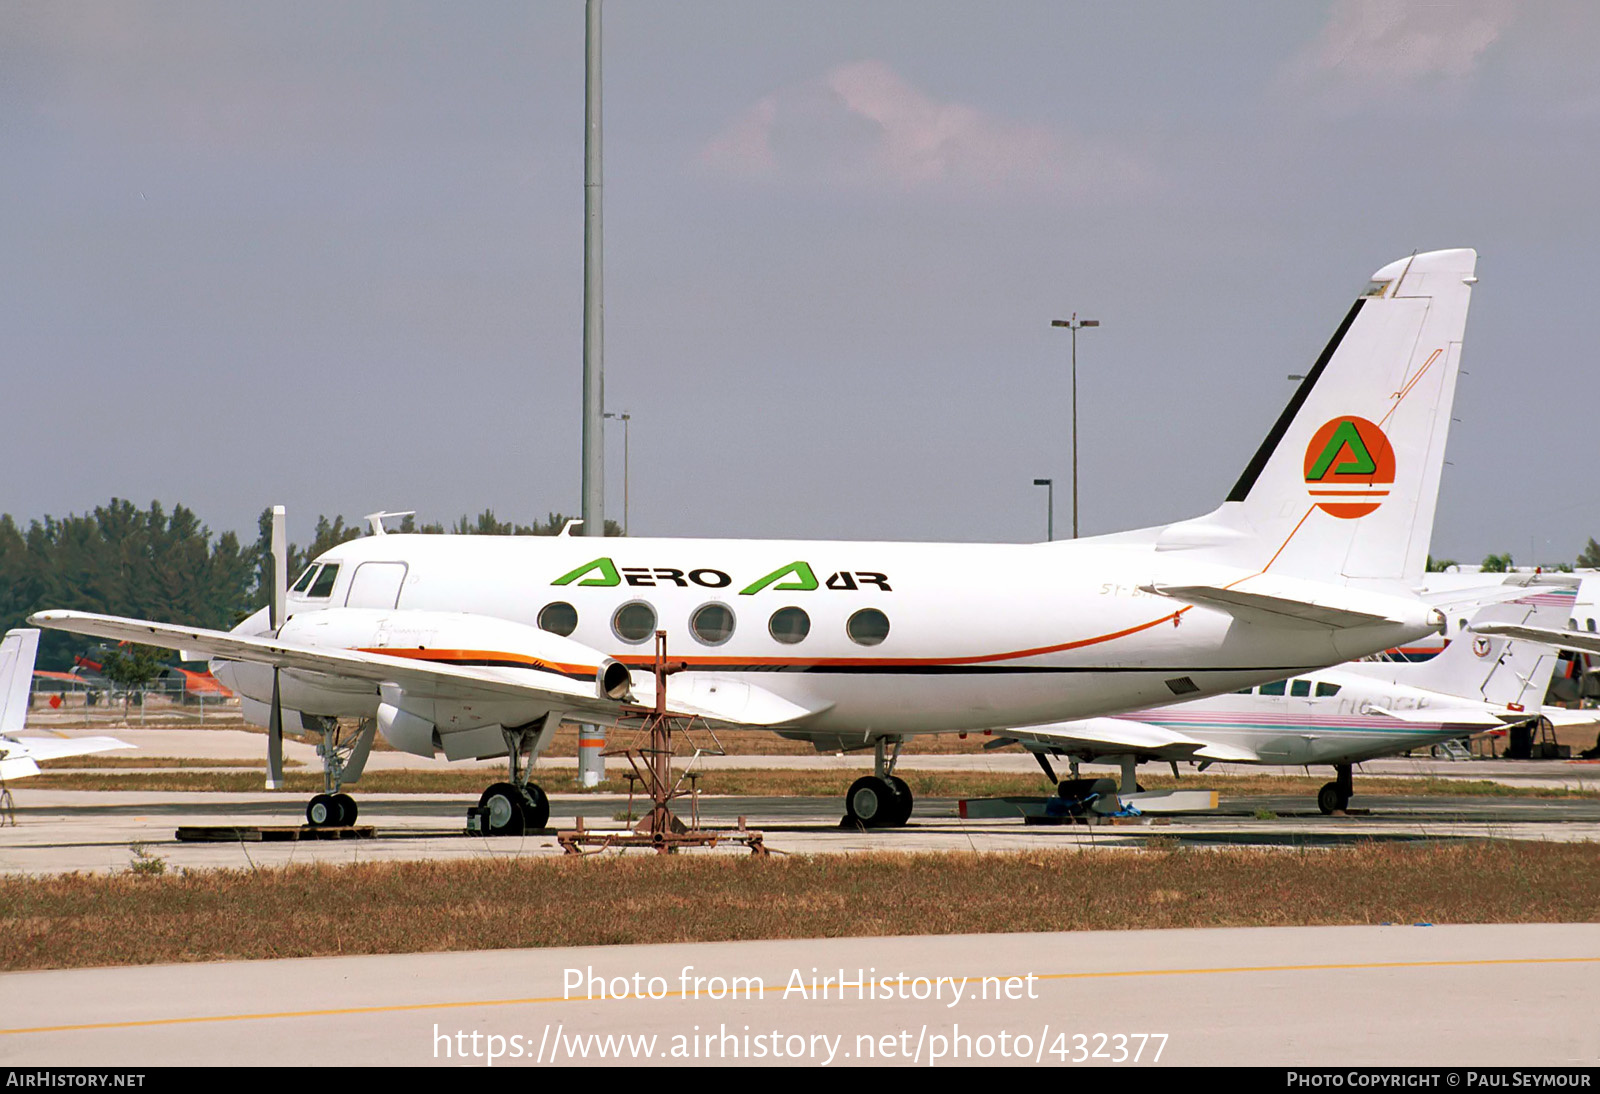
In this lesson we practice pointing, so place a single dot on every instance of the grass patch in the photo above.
(142, 917)
(768, 782)
(101, 763)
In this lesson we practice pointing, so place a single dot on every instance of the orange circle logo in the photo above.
(1349, 467)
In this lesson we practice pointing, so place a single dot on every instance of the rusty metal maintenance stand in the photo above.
(650, 754)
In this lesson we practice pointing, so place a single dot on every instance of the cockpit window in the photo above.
(323, 585)
(305, 579)
(1375, 288)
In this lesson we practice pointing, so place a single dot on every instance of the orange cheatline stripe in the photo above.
(1112, 974)
(447, 656)
(1281, 546)
(843, 662)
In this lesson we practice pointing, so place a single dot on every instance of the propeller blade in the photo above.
(280, 567)
(275, 739)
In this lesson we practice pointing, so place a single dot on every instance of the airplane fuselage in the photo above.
(874, 639)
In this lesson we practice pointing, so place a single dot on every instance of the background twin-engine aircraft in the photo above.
(478, 646)
(1343, 715)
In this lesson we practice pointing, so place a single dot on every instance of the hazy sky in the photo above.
(331, 254)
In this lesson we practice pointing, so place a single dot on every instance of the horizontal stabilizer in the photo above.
(1269, 599)
(1560, 716)
(1577, 641)
(57, 748)
(1444, 716)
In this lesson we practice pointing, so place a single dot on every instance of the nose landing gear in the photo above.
(342, 762)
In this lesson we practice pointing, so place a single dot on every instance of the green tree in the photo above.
(1589, 557)
(130, 668)
(1497, 564)
(1439, 565)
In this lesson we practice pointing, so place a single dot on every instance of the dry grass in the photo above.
(137, 918)
(768, 782)
(100, 763)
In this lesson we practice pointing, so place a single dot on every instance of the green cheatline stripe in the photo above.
(1112, 974)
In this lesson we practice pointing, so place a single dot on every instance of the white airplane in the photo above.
(20, 756)
(1582, 633)
(480, 646)
(1339, 716)
(1580, 674)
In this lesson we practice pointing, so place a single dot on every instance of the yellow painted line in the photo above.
(398, 1008)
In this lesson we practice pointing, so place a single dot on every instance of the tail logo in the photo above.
(1349, 467)
(1480, 646)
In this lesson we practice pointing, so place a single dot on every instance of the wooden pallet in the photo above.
(270, 833)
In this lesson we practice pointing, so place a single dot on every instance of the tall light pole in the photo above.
(1074, 325)
(1050, 506)
(592, 738)
(624, 418)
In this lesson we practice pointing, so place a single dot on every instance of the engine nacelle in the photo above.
(405, 730)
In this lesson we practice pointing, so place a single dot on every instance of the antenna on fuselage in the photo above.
(375, 520)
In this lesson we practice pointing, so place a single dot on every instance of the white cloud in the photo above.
(1371, 50)
(864, 124)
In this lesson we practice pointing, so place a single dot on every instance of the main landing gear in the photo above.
(1334, 797)
(882, 799)
(342, 762)
(519, 806)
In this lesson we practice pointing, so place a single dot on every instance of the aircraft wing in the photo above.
(1578, 641)
(734, 705)
(1120, 737)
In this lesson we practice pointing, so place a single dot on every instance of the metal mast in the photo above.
(592, 739)
(594, 512)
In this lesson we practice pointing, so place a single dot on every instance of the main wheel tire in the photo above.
(1329, 800)
(504, 805)
(323, 812)
(536, 810)
(904, 799)
(347, 808)
(872, 802)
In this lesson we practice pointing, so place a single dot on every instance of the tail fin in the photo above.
(17, 652)
(1497, 670)
(1344, 487)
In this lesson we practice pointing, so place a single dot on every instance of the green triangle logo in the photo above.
(1360, 462)
(604, 569)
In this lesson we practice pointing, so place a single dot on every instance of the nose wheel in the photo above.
(331, 811)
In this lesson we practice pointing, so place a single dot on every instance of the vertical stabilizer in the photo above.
(1344, 486)
(17, 652)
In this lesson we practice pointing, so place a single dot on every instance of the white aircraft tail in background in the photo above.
(19, 756)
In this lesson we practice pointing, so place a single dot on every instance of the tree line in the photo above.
(155, 564)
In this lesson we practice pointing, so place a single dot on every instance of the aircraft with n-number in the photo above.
(479, 646)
